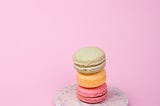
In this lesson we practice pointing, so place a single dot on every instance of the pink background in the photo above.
(38, 38)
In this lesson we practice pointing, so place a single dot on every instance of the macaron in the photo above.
(91, 80)
(89, 60)
(91, 92)
(92, 95)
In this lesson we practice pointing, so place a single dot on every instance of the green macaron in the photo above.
(89, 60)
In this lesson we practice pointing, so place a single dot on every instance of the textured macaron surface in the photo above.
(89, 59)
(88, 55)
(91, 80)
(91, 92)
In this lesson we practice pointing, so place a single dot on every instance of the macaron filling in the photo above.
(90, 69)
(88, 66)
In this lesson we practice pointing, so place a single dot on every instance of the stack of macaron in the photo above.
(91, 84)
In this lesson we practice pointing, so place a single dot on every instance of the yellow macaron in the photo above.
(91, 80)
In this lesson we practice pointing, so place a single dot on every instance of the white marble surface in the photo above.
(67, 97)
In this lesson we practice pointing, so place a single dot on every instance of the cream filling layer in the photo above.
(87, 64)
(90, 67)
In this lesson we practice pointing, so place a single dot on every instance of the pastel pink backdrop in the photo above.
(38, 38)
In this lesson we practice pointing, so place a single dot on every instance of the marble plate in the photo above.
(67, 97)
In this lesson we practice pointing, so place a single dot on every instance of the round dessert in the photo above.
(89, 60)
(91, 80)
(92, 95)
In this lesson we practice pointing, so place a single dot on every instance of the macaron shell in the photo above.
(88, 55)
(92, 100)
(91, 92)
(91, 80)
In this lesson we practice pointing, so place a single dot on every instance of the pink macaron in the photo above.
(92, 95)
